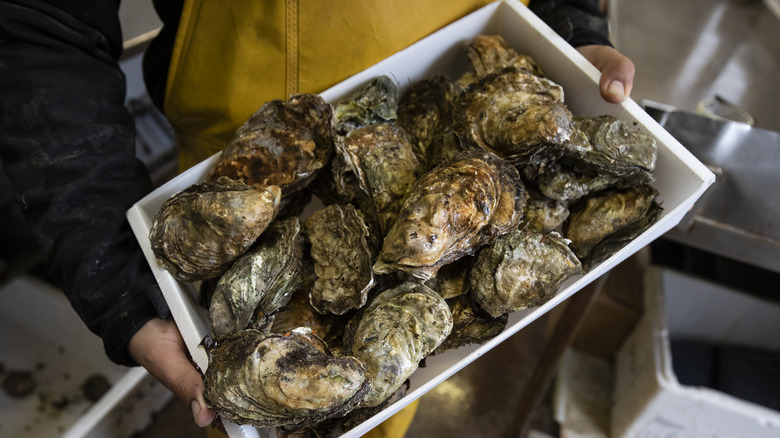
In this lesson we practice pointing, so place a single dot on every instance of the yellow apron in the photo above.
(231, 57)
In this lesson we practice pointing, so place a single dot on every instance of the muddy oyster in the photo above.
(516, 115)
(378, 159)
(200, 231)
(425, 113)
(452, 211)
(470, 324)
(520, 270)
(375, 102)
(394, 333)
(272, 380)
(284, 143)
(343, 257)
(259, 282)
(596, 218)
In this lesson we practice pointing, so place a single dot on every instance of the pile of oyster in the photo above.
(445, 207)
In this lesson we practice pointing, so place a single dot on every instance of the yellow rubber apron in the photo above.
(231, 57)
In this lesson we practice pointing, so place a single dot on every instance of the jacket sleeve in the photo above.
(67, 145)
(579, 22)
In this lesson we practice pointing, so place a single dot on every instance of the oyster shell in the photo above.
(375, 102)
(394, 333)
(298, 312)
(452, 279)
(516, 115)
(491, 53)
(284, 143)
(259, 282)
(470, 324)
(200, 231)
(543, 214)
(272, 380)
(602, 215)
(425, 113)
(606, 248)
(379, 160)
(343, 259)
(452, 211)
(520, 270)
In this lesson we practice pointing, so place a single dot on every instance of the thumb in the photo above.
(159, 347)
(617, 71)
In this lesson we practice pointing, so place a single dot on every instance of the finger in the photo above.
(159, 348)
(617, 71)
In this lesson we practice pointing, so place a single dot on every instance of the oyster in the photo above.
(516, 115)
(470, 324)
(261, 281)
(543, 214)
(520, 270)
(491, 53)
(342, 259)
(380, 162)
(600, 216)
(394, 333)
(298, 312)
(284, 143)
(375, 102)
(607, 247)
(272, 380)
(452, 279)
(200, 231)
(425, 113)
(452, 211)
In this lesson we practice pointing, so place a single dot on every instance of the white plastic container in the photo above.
(681, 179)
(40, 334)
(649, 401)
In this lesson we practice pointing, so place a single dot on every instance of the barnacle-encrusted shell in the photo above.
(284, 143)
(599, 216)
(452, 211)
(271, 380)
(516, 115)
(200, 231)
(381, 162)
(470, 324)
(342, 259)
(261, 281)
(375, 102)
(425, 113)
(521, 269)
(394, 333)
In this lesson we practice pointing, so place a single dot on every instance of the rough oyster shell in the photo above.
(272, 380)
(516, 115)
(452, 279)
(375, 102)
(491, 53)
(394, 333)
(259, 282)
(425, 113)
(452, 211)
(520, 270)
(470, 324)
(298, 312)
(342, 257)
(200, 231)
(380, 161)
(284, 143)
(599, 216)
(543, 214)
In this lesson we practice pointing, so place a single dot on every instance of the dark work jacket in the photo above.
(67, 144)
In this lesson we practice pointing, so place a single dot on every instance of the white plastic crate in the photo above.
(649, 401)
(42, 335)
(681, 179)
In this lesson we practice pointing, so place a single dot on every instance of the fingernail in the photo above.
(617, 88)
(195, 409)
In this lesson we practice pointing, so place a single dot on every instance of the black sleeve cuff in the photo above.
(579, 22)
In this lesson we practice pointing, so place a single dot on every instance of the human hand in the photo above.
(159, 347)
(617, 71)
